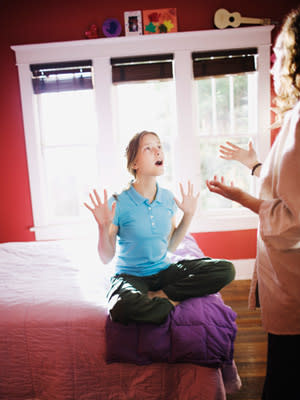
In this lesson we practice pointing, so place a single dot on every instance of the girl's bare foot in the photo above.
(157, 293)
(161, 294)
(175, 303)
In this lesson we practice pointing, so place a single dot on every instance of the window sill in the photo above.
(74, 230)
(206, 223)
(83, 229)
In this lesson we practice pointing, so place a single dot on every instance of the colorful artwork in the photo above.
(163, 20)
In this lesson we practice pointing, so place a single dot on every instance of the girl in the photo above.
(278, 206)
(146, 286)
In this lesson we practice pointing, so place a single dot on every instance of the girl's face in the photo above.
(150, 157)
(277, 69)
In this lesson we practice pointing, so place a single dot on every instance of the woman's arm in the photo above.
(245, 157)
(107, 230)
(188, 206)
(235, 194)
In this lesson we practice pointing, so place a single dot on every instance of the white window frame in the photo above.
(181, 44)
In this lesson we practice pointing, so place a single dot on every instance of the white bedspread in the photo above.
(52, 341)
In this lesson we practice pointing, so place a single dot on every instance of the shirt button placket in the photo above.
(151, 219)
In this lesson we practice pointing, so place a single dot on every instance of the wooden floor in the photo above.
(251, 342)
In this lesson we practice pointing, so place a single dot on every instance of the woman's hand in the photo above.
(235, 194)
(189, 201)
(234, 152)
(101, 211)
(229, 191)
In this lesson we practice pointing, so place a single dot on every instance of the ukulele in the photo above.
(223, 19)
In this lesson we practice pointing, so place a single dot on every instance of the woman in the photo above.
(146, 286)
(278, 206)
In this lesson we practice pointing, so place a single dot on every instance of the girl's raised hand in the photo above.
(189, 201)
(234, 152)
(101, 211)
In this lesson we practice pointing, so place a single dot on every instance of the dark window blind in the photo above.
(62, 76)
(141, 68)
(224, 62)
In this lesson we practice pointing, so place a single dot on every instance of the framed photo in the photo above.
(162, 20)
(133, 23)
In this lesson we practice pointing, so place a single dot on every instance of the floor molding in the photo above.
(244, 268)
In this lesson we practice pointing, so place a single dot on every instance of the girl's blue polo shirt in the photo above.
(143, 232)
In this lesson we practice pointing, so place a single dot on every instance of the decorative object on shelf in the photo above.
(92, 33)
(162, 20)
(111, 27)
(133, 23)
(224, 19)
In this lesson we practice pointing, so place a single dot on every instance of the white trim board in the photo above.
(144, 44)
(244, 268)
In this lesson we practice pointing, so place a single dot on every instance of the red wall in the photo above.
(35, 21)
(233, 245)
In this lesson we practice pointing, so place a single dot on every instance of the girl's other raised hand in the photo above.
(189, 201)
(101, 211)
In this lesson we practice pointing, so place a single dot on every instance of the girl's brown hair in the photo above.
(133, 147)
(290, 78)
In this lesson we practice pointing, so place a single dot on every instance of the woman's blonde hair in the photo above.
(132, 149)
(290, 77)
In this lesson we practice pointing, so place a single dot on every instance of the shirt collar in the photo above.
(139, 199)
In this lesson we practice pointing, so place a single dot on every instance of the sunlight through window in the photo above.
(69, 136)
(227, 111)
(146, 106)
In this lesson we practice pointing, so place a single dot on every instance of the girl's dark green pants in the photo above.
(128, 299)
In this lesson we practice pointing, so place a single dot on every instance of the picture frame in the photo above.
(161, 20)
(133, 23)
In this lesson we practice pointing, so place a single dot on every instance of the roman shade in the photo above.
(62, 76)
(141, 68)
(224, 62)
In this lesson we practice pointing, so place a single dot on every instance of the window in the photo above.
(226, 86)
(89, 97)
(67, 123)
(68, 145)
(144, 99)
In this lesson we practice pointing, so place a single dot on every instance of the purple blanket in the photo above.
(200, 330)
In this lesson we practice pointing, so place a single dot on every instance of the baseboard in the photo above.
(244, 268)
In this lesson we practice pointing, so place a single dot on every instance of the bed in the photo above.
(53, 319)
